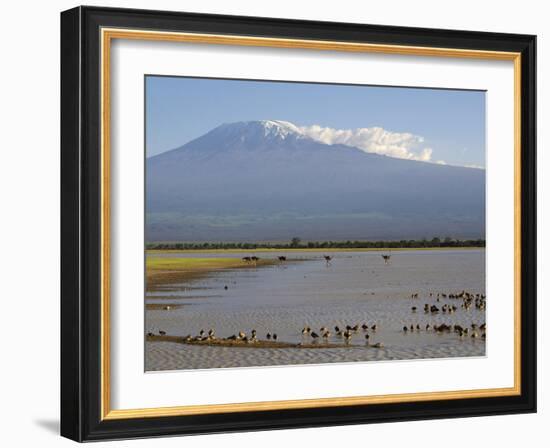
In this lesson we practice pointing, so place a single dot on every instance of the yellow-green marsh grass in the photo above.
(164, 270)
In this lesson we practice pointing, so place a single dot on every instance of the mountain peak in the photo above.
(249, 136)
(279, 128)
(263, 129)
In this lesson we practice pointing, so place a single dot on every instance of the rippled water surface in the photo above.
(356, 288)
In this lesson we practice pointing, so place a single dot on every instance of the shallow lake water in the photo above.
(355, 288)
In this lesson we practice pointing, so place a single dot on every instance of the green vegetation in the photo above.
(297, 243)
(162, 271)
(190, 264)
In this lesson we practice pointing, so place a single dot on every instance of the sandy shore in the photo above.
(239, 343)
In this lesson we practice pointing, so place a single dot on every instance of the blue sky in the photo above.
(446, 125)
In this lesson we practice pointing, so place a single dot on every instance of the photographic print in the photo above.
(301, 223)
(304, 205)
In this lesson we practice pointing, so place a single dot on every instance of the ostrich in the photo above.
(328, 258)
(282, 259)
(254, 259)
(386, 258)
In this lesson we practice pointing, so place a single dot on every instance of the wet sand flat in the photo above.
(355, 288)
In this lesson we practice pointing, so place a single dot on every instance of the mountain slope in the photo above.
(264, 180)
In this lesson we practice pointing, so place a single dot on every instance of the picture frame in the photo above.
(86, 210)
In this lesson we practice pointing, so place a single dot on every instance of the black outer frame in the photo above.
(80, 223)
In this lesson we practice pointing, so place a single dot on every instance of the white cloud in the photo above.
(479, 167)
(402, 145)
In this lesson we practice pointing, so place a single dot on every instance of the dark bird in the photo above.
(150, 334)
(413, 309)
(314, 335)
(405, 329)
(373, 328)
(268, 336)
(328, 258)
(365, 327)
(162, 332)
(282, 259)
(274, 336)
(225, 287)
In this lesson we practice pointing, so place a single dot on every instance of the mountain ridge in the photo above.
(264, 180)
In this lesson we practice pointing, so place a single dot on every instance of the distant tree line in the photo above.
(296, 243)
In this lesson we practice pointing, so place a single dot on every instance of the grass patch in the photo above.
(164, 271)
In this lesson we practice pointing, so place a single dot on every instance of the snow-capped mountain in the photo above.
(267, 181)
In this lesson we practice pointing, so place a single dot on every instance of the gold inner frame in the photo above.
(107, 35)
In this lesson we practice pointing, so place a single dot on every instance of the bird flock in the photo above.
(464, 301)
(346, 333)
